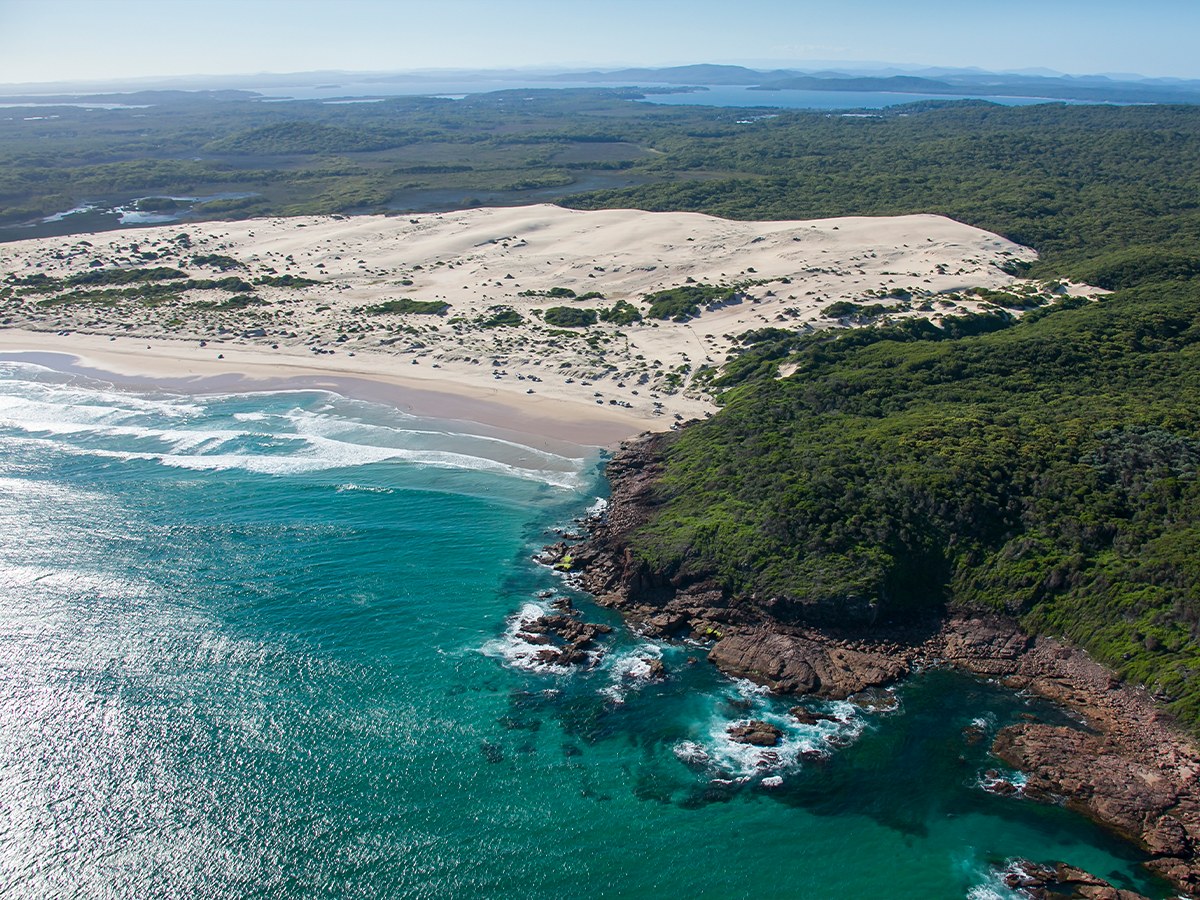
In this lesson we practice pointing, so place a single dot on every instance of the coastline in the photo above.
(1131, 768)
(140, 363)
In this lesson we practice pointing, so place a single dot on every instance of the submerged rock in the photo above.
(805, 716)
(973, 734)
(876, 700)
(1060, 881)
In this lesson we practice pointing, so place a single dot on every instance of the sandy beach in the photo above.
(178, 365)
(593, 385)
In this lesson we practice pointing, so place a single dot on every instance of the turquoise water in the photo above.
(264, 646)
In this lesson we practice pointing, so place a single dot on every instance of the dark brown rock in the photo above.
(1114, 790)
(805, 716)
(760, 734)
(552, 554)
(989, 645)
(1183, 872)
(1061, 881)
(796, 665)
(565, 637)
(667, 623)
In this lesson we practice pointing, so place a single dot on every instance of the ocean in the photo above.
(265, 645)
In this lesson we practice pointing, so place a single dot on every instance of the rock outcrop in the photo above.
(1061, 882)
(657, 671)
(1098, 778)
(1131, 770)
(789, 664)
(806, 716)
(755, 732)
(566, 638)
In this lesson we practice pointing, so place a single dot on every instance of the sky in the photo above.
(96, 40)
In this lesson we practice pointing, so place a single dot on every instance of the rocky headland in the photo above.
(1129, 766)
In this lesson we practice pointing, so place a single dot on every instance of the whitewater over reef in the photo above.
(288, 643)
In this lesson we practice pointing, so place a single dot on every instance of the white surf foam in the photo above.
(991, 884)
(995, 784)
(517, 652)
(992, 891)
(691, 753)
(206, 433)
(629, 671)
(719, 757)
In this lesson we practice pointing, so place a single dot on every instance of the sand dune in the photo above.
(481, 259)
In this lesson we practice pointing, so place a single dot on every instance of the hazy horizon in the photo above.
(69, 41)
(248, 80)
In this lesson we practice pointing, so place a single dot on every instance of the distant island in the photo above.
(1094, 89)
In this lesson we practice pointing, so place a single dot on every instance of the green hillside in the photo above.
(1045, 467)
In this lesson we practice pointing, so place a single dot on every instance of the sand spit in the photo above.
(484, 261)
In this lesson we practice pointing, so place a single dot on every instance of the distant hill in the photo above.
(847, 77)
(136, 98)
(700, 74)
(1065, 88)
(1094, 89)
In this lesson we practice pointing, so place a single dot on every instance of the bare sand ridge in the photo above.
(611, 381)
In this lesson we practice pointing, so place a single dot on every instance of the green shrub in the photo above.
(842, 309)
(682, 303)
(285, 281)
(1009, 300)
(125, 276)
(230, 204)
(554, 293)
(216, 260)
(501, 316)
(622, 313)
(569, 317)
(406, 306)
(156, 204)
